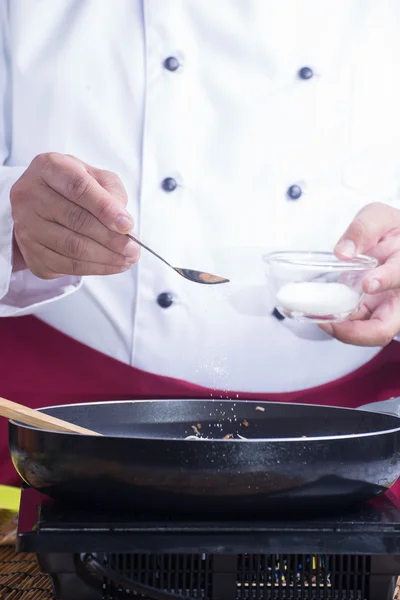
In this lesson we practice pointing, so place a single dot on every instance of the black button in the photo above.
(165, 300)
(277, 315)
(169, 184)
(305, 73)
(171, 63)
(294, 192)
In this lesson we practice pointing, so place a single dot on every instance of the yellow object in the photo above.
(9, 498)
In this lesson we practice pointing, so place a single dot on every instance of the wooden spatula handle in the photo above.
(34, 418)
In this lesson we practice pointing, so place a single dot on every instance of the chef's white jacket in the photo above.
(238, 127)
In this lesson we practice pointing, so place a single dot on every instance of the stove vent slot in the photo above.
(253, 576)
(182, 574)
(305, 577)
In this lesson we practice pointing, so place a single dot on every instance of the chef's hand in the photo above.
(375, 231)
(69, 219)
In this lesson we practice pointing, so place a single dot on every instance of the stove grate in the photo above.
(245, 576)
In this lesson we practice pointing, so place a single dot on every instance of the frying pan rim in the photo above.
(217, 440)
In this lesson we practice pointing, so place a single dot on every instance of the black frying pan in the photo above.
(294, 457)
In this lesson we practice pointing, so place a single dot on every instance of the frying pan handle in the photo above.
(96, 572)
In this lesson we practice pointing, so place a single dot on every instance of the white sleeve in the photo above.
(20, 292)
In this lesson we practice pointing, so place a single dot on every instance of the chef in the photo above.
(216, 132)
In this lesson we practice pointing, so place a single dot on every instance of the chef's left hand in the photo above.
(375, 231)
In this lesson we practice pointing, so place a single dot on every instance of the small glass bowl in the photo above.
(317, 286)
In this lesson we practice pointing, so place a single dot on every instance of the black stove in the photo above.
(93, 554)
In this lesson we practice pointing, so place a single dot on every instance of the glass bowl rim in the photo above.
(328, 260)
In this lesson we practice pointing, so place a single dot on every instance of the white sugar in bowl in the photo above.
(317, 286)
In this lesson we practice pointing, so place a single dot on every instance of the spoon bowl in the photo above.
(190, 274)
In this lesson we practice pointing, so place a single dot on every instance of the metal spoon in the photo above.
(196, 276)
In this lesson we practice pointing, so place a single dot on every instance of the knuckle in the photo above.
(75, 246)
(104, 209)
(359, 228)
(43, 264)
(17, 218)
(78, 219)
(46, 161)
(371, 209)
(38, 264)
(40, 271)
(76, 268)
(377, 206)
(378, 211)
(21, 235)
(15, 189)
(113, 184)
(78, 185)
(17, 193)
(109, 178)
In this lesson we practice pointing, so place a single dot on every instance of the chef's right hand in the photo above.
(70, 219)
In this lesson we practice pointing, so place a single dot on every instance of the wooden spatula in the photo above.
(34, 418)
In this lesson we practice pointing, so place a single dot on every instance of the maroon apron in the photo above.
(43, 367)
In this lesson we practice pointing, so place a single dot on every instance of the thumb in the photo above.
(369, 226)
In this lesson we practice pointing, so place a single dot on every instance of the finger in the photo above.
(379, 330)
(77, 246)
(48, 264)
(360, 333)
(362, 315)
(108, 180)
(57, 209)
(70, 179)
(367, 229)
(386, 247)
(383, 278)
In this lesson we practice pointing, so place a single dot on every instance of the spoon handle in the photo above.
(150, 250)
(34, 418)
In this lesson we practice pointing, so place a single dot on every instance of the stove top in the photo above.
(46, 525)
(95, 554)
